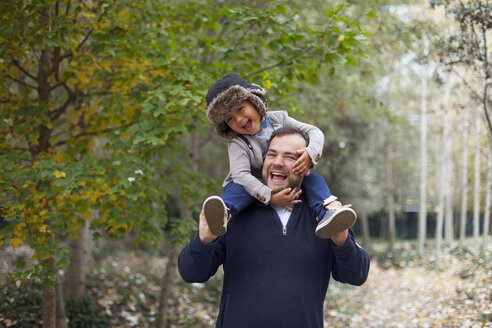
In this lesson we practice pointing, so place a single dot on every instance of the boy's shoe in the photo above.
(335, 221)
(216, 215)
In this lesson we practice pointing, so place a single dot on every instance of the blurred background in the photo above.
(106, 155)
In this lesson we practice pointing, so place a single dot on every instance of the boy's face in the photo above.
(244, 119)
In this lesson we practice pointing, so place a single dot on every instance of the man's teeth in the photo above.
(278, 175)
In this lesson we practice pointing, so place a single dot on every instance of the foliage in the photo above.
(474, 20)
(97, 98)
(87, 313)
(20, 303)
(468, 46)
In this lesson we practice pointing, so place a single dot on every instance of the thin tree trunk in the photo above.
(49, 298)
(464, 178)
(486, 217)
(61, 317)
(390, 195)
(365, 228)
(441, 187)
(166, 289)
(423, 159)
(449, 214)
(476, 188)
(162, 319)
(77, 268)
(448, 167)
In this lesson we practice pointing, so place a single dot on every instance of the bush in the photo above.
(21, 306)
(21, 303)
(88, 313)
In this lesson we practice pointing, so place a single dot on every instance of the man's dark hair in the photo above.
(288, 130)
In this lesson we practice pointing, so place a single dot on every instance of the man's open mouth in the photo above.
(277, 176)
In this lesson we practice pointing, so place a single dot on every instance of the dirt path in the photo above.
(416, 297)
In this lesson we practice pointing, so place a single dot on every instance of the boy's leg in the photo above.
(236, 198)
(334, 220)
(316, 190)
(218, 209)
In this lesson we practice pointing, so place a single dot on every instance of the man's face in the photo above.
(279, 162)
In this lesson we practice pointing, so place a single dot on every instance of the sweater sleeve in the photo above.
(197, 262)
(241, 173)
(316, 136)
(351, 262)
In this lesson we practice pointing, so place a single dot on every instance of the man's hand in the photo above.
(204, 232)
(286, 197)
(303, 164)
(340, 238)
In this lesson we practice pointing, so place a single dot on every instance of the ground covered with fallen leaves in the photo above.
(416, 294)
(402, 290)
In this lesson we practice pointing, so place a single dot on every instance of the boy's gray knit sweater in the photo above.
(246, 164)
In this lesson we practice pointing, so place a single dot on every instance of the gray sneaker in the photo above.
(216, 215)
(335, 221)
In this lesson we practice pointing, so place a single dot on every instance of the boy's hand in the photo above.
(303, 164)
(286, 197)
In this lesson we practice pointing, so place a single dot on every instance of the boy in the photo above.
(239, 112)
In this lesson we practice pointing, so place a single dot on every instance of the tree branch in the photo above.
(18, 65)
(20, 82)
(94, 133)
(261, 70)
(55, 114)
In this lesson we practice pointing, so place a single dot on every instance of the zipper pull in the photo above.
(284, 231)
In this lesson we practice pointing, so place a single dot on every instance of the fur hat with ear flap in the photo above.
(228, 92)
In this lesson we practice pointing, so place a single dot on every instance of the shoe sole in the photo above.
(343, 219)
(214, 209)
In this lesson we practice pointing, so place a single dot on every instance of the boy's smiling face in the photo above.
(244, 119)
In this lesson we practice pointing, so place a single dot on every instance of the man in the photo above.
(276, 270)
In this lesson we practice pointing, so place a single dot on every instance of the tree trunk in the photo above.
(61, 317)
(49, 298)
(77, 268)
(448, 166)
(464, 178)
(166, 289)
(162, 318)
(365, 228)
(441, 187)
(486, 216)
(390, 195)
(423, 159)
(476, 186)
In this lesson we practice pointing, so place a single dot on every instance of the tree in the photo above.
(128, 77)
(75, 75)
(422, 227)
(469, 49)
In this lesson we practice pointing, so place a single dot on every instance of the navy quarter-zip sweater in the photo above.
(273, 277)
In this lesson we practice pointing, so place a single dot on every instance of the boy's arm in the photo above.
(316, 136)
(240, 159)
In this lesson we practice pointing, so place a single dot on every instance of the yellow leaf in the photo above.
(60, 174)
(16, 242)
(341, 38)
